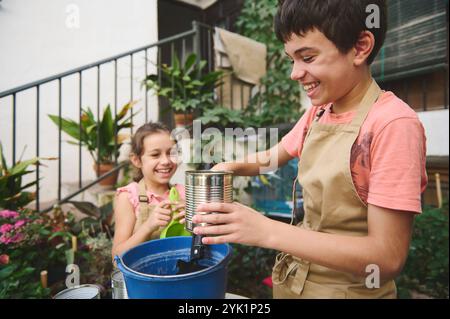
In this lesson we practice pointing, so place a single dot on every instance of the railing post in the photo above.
(196, 39)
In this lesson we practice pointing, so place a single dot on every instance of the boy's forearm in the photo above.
(343, 253)
(252, 165)
(238, 168)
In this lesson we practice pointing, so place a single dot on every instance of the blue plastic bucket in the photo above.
(150, 270)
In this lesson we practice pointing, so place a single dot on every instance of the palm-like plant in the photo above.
(99, 137)
(12, 194)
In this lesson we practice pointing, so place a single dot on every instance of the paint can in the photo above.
(206, 187)
(119, 290)
(79, 292)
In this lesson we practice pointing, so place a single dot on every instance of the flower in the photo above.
(4, 259)
(5, 239)
(19, 223)
(6, 228)
(9, 214)
(17, 238)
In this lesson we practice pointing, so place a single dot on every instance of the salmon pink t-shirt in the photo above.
(388, 160)
(133, 195)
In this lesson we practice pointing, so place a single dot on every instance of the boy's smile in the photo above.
(326, 74)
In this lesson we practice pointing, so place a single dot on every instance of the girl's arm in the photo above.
(386, 244)
(125, 220)
(258, 163)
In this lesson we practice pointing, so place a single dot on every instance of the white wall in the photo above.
(41, 38)
(437, 131)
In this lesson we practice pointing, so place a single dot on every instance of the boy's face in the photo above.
(325, 73)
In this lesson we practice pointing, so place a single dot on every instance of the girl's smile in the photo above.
(157, 163)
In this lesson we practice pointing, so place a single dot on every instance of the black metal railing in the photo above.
(198, 40)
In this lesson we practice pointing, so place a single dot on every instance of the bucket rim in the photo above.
(120, 263)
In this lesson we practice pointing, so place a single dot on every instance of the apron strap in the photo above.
(366, 104)
(144, 207)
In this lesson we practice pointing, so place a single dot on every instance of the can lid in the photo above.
(79, 292)
(204, 172)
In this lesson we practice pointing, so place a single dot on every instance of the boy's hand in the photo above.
(221, 167)
(233, 223)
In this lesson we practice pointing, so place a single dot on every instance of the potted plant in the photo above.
(186, 86)
(12, 194)
(103, 148)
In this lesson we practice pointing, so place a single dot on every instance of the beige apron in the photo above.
(331, 205)
(145, 209)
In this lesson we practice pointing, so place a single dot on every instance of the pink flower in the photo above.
(4, 239)
(6, 228)
(17, 238)
(4, 259)
(9, 214)
(19, 224)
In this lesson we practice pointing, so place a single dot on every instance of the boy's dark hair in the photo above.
(341, 21)
(137, 142)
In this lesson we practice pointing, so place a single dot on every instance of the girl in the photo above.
(142, 208)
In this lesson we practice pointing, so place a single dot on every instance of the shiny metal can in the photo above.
(79, 292)
(206, 187)
(119, 290)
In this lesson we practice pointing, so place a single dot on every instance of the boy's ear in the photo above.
(135, 160)
(363, 48)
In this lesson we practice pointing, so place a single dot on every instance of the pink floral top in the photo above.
(154, 199)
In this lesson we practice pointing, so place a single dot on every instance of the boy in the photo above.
(362, 163)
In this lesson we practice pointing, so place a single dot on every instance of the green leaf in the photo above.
(3, 160)
(67, 126)
(22, 166)
(106, 128)
(7, 271)
(189, 64)
(123, 112)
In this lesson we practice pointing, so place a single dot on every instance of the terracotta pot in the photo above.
(182, 120)
(104, 168)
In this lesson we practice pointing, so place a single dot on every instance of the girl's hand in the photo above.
(232, 223)
(179, 209)
(159, 217)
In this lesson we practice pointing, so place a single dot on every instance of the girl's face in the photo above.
(158, 161)
(325, 73)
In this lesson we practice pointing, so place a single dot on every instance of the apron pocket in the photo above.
(314, 290)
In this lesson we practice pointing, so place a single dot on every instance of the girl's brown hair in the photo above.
(137, 142)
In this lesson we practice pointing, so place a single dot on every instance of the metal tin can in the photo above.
(119, 290)
(79, 292)
(206, 187)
